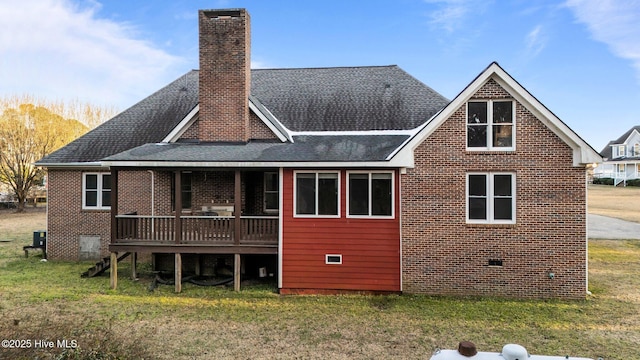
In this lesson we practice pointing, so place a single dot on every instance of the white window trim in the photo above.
(264, 193)
(393, 195)
(295, 193)
(490, 197)
(99, 189)
(622, 151)
(490, 124)
(327, 262)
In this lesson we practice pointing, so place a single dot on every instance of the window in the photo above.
(636, 150)
(271, 192)
(621, 168)
(491, 198)
(186, 191)
(316, 194)
(490, 125)
(370, 194)
(621, 150)
(96, 191)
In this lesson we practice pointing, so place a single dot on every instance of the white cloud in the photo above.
(613, 22)
(536, 40)
(451, 15)
(55, 49)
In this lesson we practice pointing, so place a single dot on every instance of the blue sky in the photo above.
(581, 58)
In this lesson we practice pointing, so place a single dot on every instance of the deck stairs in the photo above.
(102, 266)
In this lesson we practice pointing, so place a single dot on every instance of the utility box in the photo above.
(40, 239)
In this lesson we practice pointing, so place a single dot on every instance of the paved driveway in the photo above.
(604, 227)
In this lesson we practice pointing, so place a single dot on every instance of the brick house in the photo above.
(331, 179)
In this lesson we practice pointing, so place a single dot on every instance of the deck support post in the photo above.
(178, 272)
(236, 273)
(113, 277)
(134, 266)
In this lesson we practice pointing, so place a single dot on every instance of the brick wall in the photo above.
(67, 221)
(225, 75)
(444, 255)
(259, 130)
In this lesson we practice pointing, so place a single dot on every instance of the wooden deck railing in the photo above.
(205, 230)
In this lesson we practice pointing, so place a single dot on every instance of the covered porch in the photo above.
(212, 211)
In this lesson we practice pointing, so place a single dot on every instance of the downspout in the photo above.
(153, 192)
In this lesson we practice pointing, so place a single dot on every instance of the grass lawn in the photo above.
(49, 301)
(619, 202)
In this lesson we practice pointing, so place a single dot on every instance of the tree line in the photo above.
(31, 128)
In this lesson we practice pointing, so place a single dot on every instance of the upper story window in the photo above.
(316, 193)
(271, 192)
(621, 150)
(490, 125)
(636, 150)
(370, 194)
(96, 191)
(491, 198)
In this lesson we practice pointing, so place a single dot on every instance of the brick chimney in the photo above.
(225, 75)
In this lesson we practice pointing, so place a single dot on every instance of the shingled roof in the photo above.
(303, 100)
(148, 121)
(346, 98)
(323, 148)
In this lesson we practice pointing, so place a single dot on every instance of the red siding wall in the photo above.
(370, 248)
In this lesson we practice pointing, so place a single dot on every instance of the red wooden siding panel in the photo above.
(370, 248)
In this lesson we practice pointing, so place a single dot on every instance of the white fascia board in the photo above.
(182, 126)
(266, 121)
(395, 163)
(583, 153)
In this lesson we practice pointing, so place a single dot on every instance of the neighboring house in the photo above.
(332, 179)
(621, 158)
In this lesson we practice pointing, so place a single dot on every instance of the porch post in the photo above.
(178, 205)
(237, 208)
(114, 204)
(134, 265)
(236, 273)
(113, 269)
(178, 272)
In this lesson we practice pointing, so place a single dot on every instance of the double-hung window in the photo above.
(491, 198)
(490, 125)
(316, 194)
(370, 194)
(96, 191)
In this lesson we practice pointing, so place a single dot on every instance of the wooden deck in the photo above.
(196, 234)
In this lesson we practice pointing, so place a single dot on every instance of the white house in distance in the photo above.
(621, 158)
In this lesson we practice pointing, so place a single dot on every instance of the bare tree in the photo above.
(31, 129)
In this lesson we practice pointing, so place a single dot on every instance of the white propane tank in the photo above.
(514, 352)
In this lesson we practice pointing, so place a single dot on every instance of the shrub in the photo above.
(603, 181)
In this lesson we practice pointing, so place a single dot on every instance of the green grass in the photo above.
(49, 300)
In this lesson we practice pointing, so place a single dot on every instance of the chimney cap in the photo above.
(215, 13)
